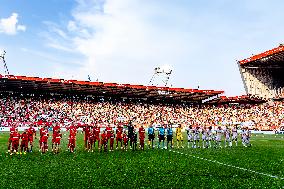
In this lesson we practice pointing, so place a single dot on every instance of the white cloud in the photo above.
(10, 25)
(21, 28)
(121, 44)
(124, 40)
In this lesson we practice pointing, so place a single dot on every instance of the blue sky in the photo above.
(124, 40)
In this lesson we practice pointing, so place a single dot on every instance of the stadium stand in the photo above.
(244, 99)
(34, 109)
(262, 74)
(25, 84)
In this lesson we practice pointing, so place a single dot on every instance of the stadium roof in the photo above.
(49, 85)
(274, 57)
(244, 99)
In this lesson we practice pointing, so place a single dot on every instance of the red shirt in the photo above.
(55, 129)
(12, 130)
(44, 136)
(119, 131)
(111, 137)
(73, 130)
(87, 130)
(109, 129)
(104, 137)
(97, 131)
(25, 136)
(72, 137)
(31, 131)
(141, 132)
(125, 137)
(58, 136)
(41, 130)
(16, 136)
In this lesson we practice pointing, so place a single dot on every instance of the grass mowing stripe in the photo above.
(228, 165)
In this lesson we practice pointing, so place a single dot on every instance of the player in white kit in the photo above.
(244, 136)
(248, 135)
(227, 134)
(204, 137)
(189, 132)
(196, 137)
(235, 135)
(210, 136)
(219, 133)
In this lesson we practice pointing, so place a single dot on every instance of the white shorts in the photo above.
(189, 137)
(196, 137)
(218, 138)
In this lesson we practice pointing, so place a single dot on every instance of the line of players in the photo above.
(109, 137)
(27, 137)
(212, 138)
(93, 136)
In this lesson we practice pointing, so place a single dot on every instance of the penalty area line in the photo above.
(228, 165)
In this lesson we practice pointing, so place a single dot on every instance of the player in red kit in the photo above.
(72, 143)
(87, 130)
(32, 133)
(57, 141)
(112, 136)
(41, 130)
(108, 130)
(44, 140)
(104, 140)
(96, 132)
(125, 140)
(15, 141)
(24, 142)
(12, 130)
(119, 132)
(54, 134)
(91, 139)
(142, 137)
(72, 138)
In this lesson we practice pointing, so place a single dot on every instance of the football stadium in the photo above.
(68, 133)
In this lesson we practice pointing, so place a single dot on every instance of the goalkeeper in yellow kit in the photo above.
(179, 137)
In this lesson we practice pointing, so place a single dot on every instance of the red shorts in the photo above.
(119, 138)
(103, 141)
(108, 135)
(31, 139)
(91, 140)
(57, 141)
(72, 142)
(125, 141)
(111, 141)
(53, 140)
(97, 138)
(15, 144)
(24, 143)
(10, 140)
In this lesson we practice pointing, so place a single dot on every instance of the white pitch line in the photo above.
(228, 165)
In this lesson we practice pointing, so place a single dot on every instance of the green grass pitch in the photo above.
(152, 168)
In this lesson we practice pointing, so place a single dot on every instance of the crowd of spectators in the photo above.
(24, 111)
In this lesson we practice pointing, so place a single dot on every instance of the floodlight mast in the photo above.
(2, 56)
(163, 73)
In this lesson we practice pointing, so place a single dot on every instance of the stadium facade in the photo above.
(263, 74)
(47, 86)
